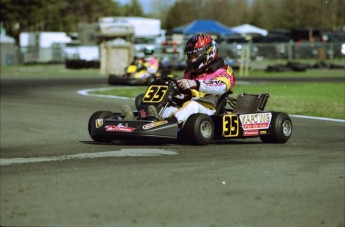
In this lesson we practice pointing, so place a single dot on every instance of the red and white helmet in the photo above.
(200, 51)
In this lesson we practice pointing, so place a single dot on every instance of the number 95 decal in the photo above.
(155, 93)
(230, 125)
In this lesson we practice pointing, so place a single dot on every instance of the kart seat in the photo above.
(250, 103)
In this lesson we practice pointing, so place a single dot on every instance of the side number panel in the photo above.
(155, 93)
(230, 126)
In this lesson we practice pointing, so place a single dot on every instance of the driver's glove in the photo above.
(187, 84)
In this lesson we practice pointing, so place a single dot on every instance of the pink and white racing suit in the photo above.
(152, 64)
(205, 96)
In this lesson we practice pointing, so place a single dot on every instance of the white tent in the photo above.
(6, 39)
(247, 29)
(8, 54)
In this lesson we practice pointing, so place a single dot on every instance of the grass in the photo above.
(308, 73)
(313, 99)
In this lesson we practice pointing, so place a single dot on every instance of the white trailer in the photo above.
(146, 31)
(137, 31)
(43, 47)
(143, 27)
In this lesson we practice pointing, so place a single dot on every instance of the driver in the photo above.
(150, 62)
(206, 75)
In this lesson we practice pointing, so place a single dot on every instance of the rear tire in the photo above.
(198, 129)
(92, 126)
(281, 129)
(112, 80)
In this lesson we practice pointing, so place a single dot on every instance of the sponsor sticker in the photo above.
(118, 128)
(99, 123)
(263, 132)
(251, 133)
(256, 121)
(212, 82)
(154, 124)
(142, 113)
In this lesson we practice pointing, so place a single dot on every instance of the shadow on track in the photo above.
(170, 142)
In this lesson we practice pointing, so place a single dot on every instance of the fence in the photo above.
(288, 51)
(306, 50)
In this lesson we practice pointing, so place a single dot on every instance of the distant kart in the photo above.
(235, 118)
(136, 74)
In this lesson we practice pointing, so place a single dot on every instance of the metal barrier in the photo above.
(288, 51)
(293, 50)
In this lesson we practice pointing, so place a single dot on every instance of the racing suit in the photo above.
(208, 87)
(151, 63)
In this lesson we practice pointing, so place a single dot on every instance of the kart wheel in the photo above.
(198, 129)
(92, 126)
(138, 100)
(281, 129)
(112, 79)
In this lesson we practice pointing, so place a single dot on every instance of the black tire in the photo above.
(281, 129)
(92, 126)
(138, 100)
(112, 80)
(198, 129)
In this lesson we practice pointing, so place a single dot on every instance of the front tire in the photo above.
(96, 136)
(138, 100)
(281, 129)
(198, 129)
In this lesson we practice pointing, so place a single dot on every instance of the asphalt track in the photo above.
(52, 174)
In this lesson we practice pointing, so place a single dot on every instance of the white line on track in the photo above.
(318, 118)
(87, 92)
(106, 154)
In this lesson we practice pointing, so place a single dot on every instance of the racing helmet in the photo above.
(148, 51)
(200, 51)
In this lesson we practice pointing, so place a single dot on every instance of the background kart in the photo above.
(136, 74)
(235, 118)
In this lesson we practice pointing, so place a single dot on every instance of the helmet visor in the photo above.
(194, 60)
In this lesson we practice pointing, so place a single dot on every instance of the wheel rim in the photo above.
(287, 128)
(206, 129)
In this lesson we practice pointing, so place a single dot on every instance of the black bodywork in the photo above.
(235, 118)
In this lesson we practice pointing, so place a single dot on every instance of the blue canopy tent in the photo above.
(204, 26)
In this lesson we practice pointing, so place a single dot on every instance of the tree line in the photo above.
(65, 15)
(268, 14)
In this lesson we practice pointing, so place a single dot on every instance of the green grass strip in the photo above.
(311, 99)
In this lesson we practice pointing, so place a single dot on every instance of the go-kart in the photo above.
(136, 74)
(235, 118)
